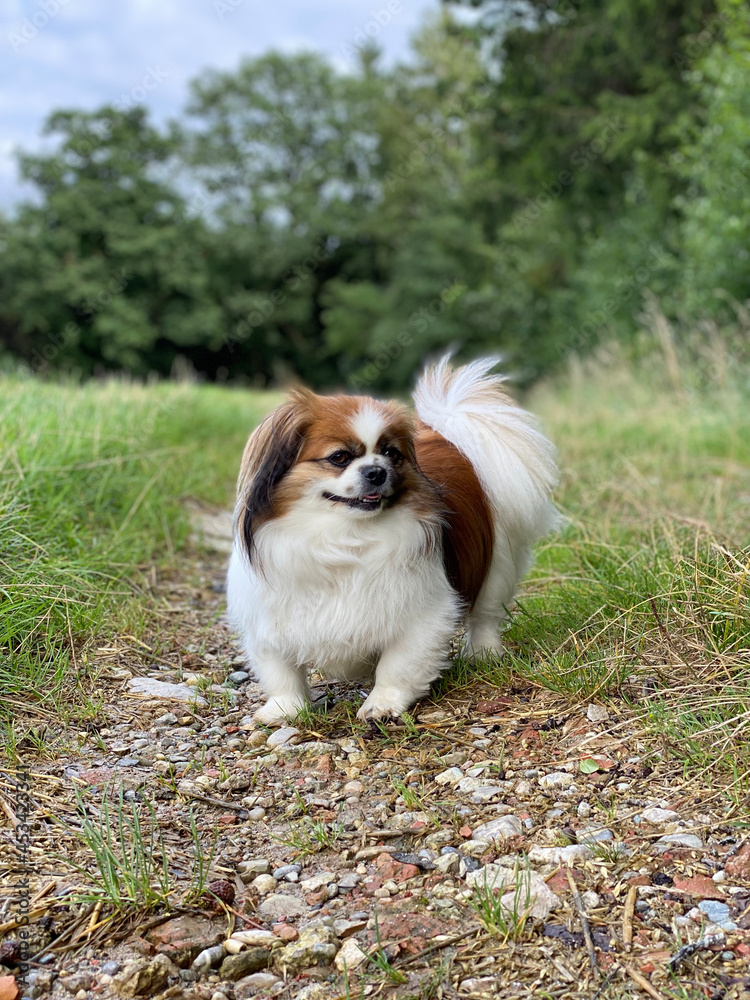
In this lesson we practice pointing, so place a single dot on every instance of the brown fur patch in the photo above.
(468, 536)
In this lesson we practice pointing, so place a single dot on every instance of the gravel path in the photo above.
(504, 843)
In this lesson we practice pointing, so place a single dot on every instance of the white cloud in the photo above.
(85, 53)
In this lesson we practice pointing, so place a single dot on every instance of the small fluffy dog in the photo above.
(364, 536)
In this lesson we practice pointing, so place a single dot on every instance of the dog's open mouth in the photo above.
(370, 501)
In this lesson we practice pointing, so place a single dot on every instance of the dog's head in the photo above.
(316, 454)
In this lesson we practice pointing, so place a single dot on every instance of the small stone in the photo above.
(350, 956)
(112, 968)
(317, 881)
(153, 688)
(451, 776)
(280, 905)
(470, 784)
(168, 719)
(560, 855)
(264, 884)
(349, 881)
(206, 959)
(486, 793)
(254, 866)
(657, 817)
(727, 956)
(407, 820)
(558, 779)
(440, 838)
(316, 945)
(252, 960)
(77, 982)
(285, 932)
(353, 788)
(238, 677)
(597, 713)
(143, 977)
(541, 899)
(282, 736)
(717, 913)
(475, 848)
(183, 938)
(256, 938)
(258, 982)
(447, 863)
(679, 840)
(285, 871)
(719, 876)
(591, 899)
(584, 810)
(345, 928)
(498, 829)
(455, 759)
(594, 835)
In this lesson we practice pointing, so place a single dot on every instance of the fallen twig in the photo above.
(585, 925)
(644, 984)
(702, 944)
(627, 918)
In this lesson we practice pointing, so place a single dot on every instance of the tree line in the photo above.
(526, 183)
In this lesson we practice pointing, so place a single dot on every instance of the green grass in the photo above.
(92, 481)
(644, 597)
(505, 922)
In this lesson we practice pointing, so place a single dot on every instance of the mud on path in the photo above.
(501, 843)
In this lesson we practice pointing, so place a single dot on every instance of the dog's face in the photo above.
(318, 454)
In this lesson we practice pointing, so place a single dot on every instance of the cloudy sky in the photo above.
(84, 53)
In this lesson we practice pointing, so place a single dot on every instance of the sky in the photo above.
(85, 53)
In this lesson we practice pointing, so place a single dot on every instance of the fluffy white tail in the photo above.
(514, 462)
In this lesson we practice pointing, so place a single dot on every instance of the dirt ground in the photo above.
(500, 843)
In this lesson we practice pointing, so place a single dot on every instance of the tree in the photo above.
(107, 269)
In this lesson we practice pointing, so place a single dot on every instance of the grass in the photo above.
(311, 836)
(643, 598)
(503, 921)
(92, 481)
(127, 847)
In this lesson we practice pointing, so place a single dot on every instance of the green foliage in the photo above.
(525, 184)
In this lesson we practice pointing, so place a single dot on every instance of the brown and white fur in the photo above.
(365, 536)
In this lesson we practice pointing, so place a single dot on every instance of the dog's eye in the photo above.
(393, 453)
(340, 458)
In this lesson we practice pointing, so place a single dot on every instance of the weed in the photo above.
(311, 836)
(382, 963)
(505, 921)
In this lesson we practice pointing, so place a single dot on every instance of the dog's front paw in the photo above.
(384, 704)
(277, 711)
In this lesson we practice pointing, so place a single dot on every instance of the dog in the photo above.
(365, 535)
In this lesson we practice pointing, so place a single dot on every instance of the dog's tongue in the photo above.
(371, 496)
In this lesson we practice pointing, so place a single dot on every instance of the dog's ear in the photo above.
(271, 451)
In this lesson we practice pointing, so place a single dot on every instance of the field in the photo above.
(640, 606)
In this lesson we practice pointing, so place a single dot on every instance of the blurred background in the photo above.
(333, 191)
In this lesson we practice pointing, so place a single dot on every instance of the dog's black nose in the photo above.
(375, 474)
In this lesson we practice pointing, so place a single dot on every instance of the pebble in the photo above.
(238, 677)
(560, 855)
(256, 938)
(350, 956)
(264, 884)
(594, 835)
(542, 900)
(486, 793)
(584, 809)
(279, 905)
(717, 913)
(254, 866)
(257, 813)
(558, 779)
(207, 958)
(163, 689)
(597, 713)
(451, 776)
(678, 840)
(289, 873)
(659, 816)
(258, 982)
(497, 829)
(281, 736)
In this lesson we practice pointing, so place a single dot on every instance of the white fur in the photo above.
(369, 425)
(347, 594)
(516, 466)
(353, 592)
